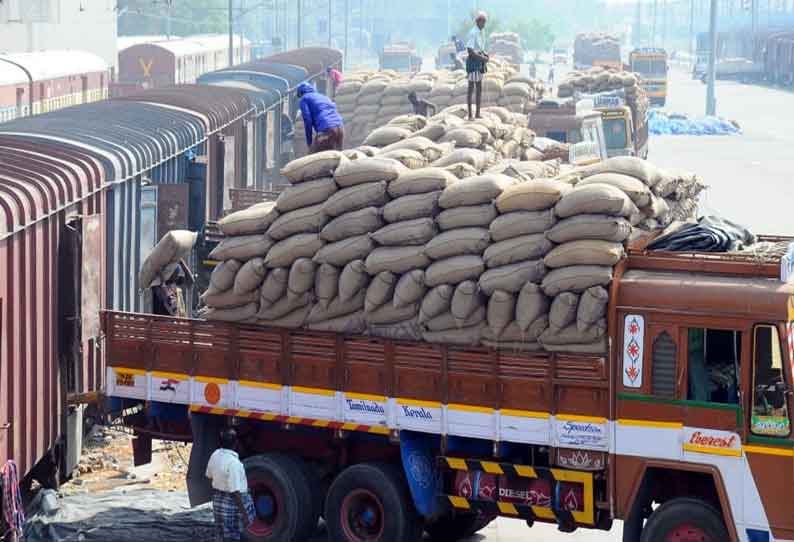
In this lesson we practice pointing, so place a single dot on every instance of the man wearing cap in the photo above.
(320, 116)
(476, 61)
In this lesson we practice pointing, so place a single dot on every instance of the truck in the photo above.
(651, 64)
(683, 429)
(597, 49)
(568, 121)
(401, 58)
(625, 122)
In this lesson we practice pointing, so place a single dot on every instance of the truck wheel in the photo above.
(280, 490)
(370, 502)
(454, 527)
(684, 520)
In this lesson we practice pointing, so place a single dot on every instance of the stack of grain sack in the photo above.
(506, 45)
(594, 47)
(599, 80)
(518, 256)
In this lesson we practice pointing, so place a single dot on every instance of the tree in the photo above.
(188, 17)
(535, 35)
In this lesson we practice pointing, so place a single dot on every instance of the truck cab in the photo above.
(401, 58)
(567, 121)
(651, 64)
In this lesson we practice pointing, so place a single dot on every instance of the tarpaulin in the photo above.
(663, 123)
(708, 234)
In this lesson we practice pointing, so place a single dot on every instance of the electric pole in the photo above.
(231, 36)
(754, 11)
(347, 34)
(168, 19)
(637, 25)
(330, 16)
(300, 23)
(692, 30)
(711, 100)
(653, 25)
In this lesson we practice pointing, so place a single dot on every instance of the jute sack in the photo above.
(467, 216)
(532, 303)
(461, 170)
(597, 347)
(413, 143)
(222, 277)
(592, 307)
(577, 278)
(352, 280)
(627, 165)
(313, 166)
(447, 321)
(294, 320)
(366, 170)
(236, 314)
(511, 334)
(363, 221)
(336, 308)
(437, 301)
(408, 232)
(410, 289)
(407, 330)
(241, 248)
(587, 252)
(536, 195)
(228, 299)
(355, 198)
(274, 287)
(458, 242)
(466, 336)
(580, 227)
(380, 290)
(250, 276)
(563, 310)
(474, 191)
(327, 285)
(305, 220)
(406, 157)
(305, 194)
(475, 158)
(345, 251)
(284, 306)
(255, 219)
(525, 247)
(348, 88)
(389, 314)
(572, 335)
(284, 253)
(433, 131)
(466, 299)
(454, 270)
(368, 150)
(501, 311)
(386, 136)
(656, 208)
(463, 137)
(174, 246)
(521, 223)
(398, 260)
(411, 207)
(595, 199)
(301, 277)
(348, 324)
(511, 278)
(639, 193)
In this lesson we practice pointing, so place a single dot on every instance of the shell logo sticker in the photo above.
(212, 393)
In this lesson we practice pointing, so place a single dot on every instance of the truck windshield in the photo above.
(615, 133)
(770, 410)
(649, 67)
(396, 62)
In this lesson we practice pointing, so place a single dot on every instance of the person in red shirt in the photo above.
(335, 77)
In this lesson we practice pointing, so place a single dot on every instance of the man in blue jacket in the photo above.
(320, 115)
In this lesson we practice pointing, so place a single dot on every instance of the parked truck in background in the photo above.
(401, 58)
(597, 49)
(651, 64)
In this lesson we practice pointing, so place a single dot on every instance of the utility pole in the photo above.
(300, 23)
(754, 11)
(330, 16)
(347, 34)
(637, 25)
(361, 31)
(711, 100)
(231, 36)
(653, 24)
(168, 19)
(692, 30)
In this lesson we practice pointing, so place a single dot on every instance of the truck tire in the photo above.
(370, 502)
(454, 527)
(280, 490)
(684, 519)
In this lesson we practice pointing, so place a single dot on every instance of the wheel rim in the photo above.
(362, 516)
(267, 504)
(687, 533)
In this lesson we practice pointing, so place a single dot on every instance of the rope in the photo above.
(13, 511)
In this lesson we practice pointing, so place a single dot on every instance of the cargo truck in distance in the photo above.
(597, 49)
(682, 428)
(651, 64)
(401, 58)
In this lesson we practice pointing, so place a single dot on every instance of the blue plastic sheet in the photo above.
(663, 123)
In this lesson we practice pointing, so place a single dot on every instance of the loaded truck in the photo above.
(592, 50)
(651, 64)
(401, 58)
(682, 429)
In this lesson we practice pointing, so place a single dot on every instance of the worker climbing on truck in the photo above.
(320, 115)
(476, 62)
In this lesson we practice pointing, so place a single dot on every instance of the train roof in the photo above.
(181, 47)
(314, 60)
(44, 65)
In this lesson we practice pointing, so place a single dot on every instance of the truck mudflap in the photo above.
(418, 460)
(206, 430)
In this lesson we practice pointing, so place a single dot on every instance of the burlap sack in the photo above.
(345, 251)
(235, 314)
(474, 191)
(467, 336)
(250, 276)
(313, 166)
(466, 299)
(433, 131)
(294, 320)
(284, 253)
(352, 280)
(355, 198)
(228, 299)
(408, 232)
(406, 330)
(464, 137)
(627, 165)
(536, 195)
(639, 193)
(563, 310)
(305, 194)
(363, 221)
(413, 143)
(475, 158)
(327, 284)
(447, 321)
(511, 278)
(592, 307)
(656, 208)
(526, 247)
(501, 311)
(437, 301)
(532, 303)
(454, 270)
(174, 246)
(222, 277)
(386, 136)
(410, 288)
(406, 157)
(301, 277)
(398, 260)
(510, 335)
(274, 287)
(572, 335)
(368, 150)
(241, 248)
(366, 170)
(421, 181)
(587, 252)
(411, 207)
(458, 242)
(467, 216)
(389, 314)
(595, 199)
(305, 220)
(284, 306)
(349, 324)
(255, 219)
(461, 170)
(580, 227)
(380, 290)
(577, 278)
(521, 223)
(336, 308)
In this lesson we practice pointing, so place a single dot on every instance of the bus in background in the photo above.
(651, 64)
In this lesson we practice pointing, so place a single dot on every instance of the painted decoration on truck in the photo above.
(712, 441)
(170, 388)
(213, 392)
(582, 432)
(422, 416)
(127, 383)
(364, 408)
(633, 337)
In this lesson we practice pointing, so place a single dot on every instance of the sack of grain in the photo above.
(414, 143)
(368, 150)
(293, 320)
(327, 284)
(521, 223)
(410, 289)
(501, 311)
(532, 303)
(242, 248)
(454, 270)
(345, 251)
(572, 335)
(406, 330)
(336, 308)
(464, 137)
(302, 245)
(356, 197)
(656, 208)
(587, 252)
(274, 287)
(174, 246)
(467, 336)
(255, 219)
(467, 216)
(458, 242)
(639, 193)
(592, 307)
(222, 277)
(352, 280)
(511, 278)
(563, 310)
(228, 299)
(474, 191)
(365, 170)
(461, 170)
(516, 249)
(408, 232)
(398, 260)
(389, 314)
(305, 220)
(363, 221)
(284, 306)
(250, 276)
(595, 199)
(313, 166)
(580, 227)
(466, 299)
(577, 278)
(348, 324)
(447, 321)
(301, 277)
(411, 207)
(380, 290)
(235, 314)
(305, 194)
(627, 165)
(433, 131)
(475, 158)
(386, 136)
(437, 301)
(536, 195)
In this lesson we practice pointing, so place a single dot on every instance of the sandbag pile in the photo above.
(517, 256)
(594, 47)
(599, 80)
(506, 45)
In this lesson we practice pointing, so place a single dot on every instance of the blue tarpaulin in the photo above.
(663, 123)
